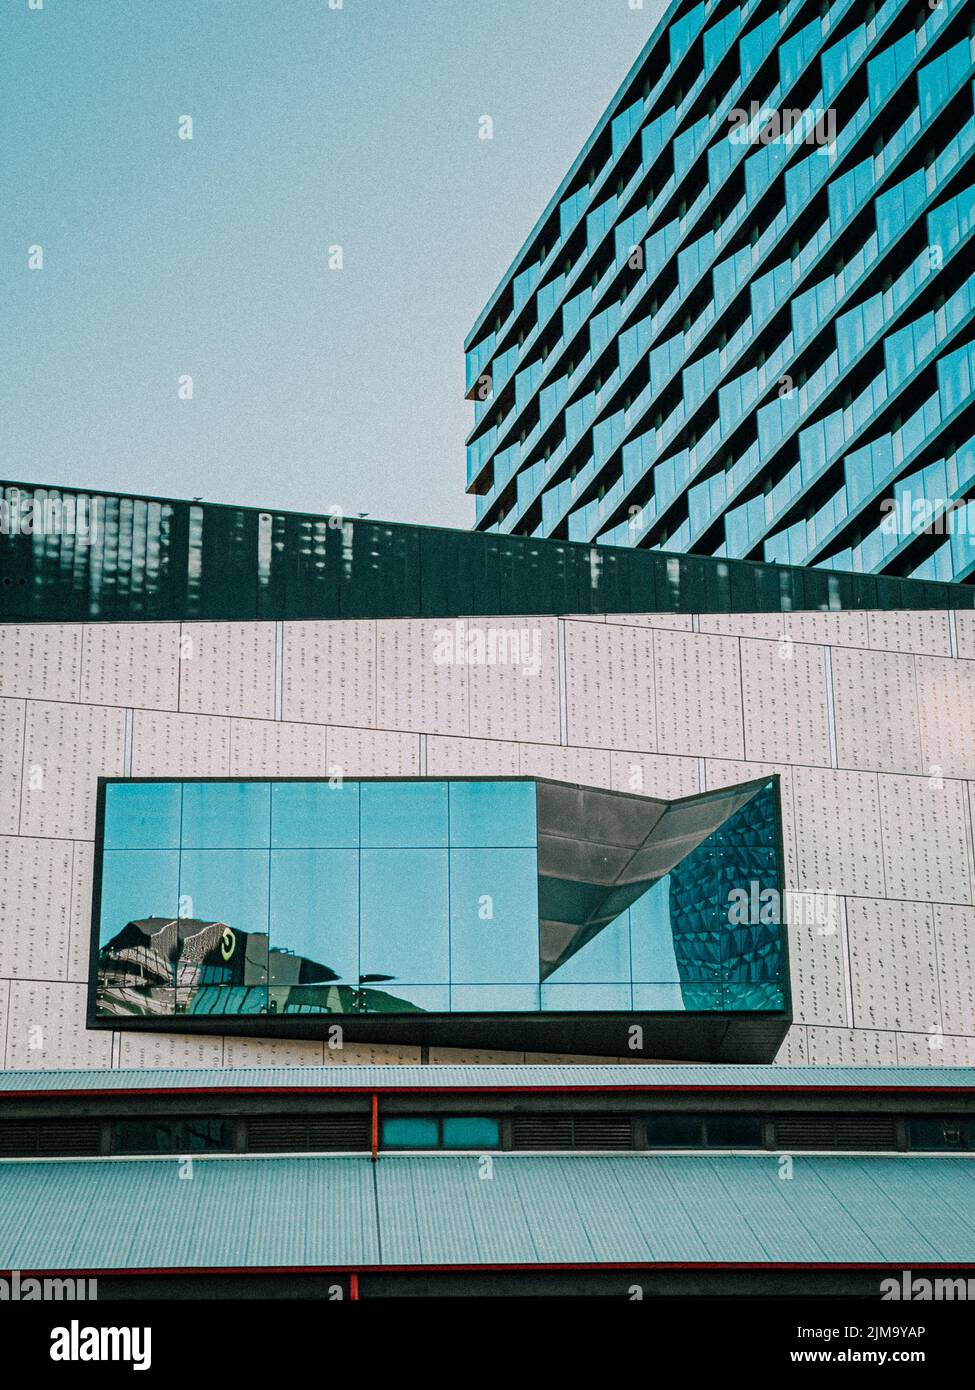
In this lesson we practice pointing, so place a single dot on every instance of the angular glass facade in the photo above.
(274, 901)
(744, 325)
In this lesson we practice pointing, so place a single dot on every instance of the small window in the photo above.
(675, 1131)
(735, 1132)
(451, 1132)
(411, 1134)
(942, 1132)
(171, 1136)
(471, 1132)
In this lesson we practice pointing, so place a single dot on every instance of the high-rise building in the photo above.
(743, 325)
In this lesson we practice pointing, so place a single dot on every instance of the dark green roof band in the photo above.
(72, 556)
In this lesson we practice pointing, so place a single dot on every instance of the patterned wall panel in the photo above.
(697, 684)
(34, 908)
(46, 1028)
(13, 714)
(227, 668)
(131, 664)
(179, 745)
(875, 699)
(272, 748)
(66, 748)
(893, 966)
(946, 699)
(879, 861)
(838, 837)
(784, 687)
(42, 661)
(926, 839)
(329, 674)
(609, 699)
(516, 699)
(422, 676)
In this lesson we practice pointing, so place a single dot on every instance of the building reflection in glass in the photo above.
(476, 896)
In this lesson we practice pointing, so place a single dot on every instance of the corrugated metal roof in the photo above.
(342, 1077)
(438, 1209)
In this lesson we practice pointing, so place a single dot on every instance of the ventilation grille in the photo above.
(572, 1132)
(836, 1132)
(49, 1138)
(333, 1133)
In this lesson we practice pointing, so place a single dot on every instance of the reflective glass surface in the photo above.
(480, 896)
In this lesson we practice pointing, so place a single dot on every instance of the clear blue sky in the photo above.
(312, 127)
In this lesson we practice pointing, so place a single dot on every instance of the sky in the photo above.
(316, 124)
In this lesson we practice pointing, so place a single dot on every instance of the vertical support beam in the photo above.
(374, 1145)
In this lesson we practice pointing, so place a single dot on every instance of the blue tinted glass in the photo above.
(404, 814)
(603, 960)
(142, 815)
(494, 999)
(471, 1132)
(410, 1134)
(651, 937)
(226, 815)
(136, 885)
(403, 914)
(593, 998)
(492, 813)
(662, 998)
(493, 916)
(314, 815)
(315, 910)
(225, 885)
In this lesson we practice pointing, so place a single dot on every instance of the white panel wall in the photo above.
(868, 718)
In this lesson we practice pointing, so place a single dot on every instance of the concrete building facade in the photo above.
(866, 717)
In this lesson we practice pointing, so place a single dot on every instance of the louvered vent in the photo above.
(572, 1132)
(836, 1132)
(296, 1134)
(65, 1138)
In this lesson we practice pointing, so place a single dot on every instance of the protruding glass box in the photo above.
(463, 912)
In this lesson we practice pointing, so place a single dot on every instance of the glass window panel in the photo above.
(226, 815)
(937, 1133)
(659, 998)
(491, 999)
(225, 885)
(674, 1131)
(493, 916)
(471, 1132)
(404, 929)
(605, 959)
(735, 1131)
(404, 1132)
(403, 996)
(137, 885)
(403, 814)
(492, 814)
(142, 815)
(314, 916)
(171, 1136)
(314, 815)
(651, 937)
(585, 998)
